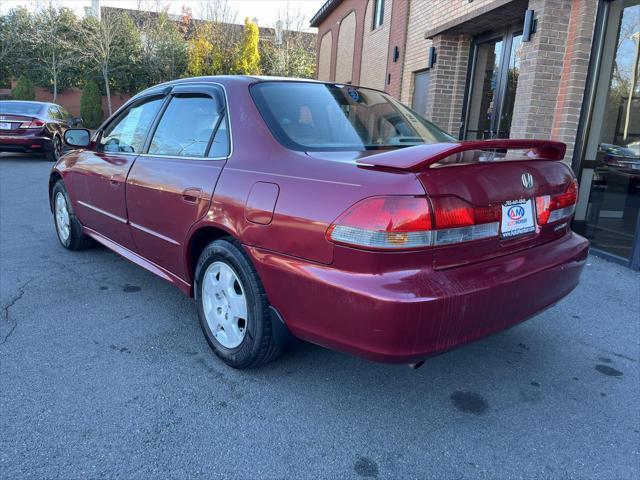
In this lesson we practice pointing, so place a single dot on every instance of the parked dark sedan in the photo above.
(34, 127)
(329, 212)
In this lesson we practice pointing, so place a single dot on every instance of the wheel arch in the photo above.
(53, 179)
(198, 240)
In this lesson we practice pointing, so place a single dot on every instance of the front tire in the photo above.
(232, 306)
(68, 228)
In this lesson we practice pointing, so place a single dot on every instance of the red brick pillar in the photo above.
(447, 81)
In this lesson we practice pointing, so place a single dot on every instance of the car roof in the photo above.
(30, 101)
(246, 79)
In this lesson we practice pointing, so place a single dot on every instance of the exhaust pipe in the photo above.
(416, 365)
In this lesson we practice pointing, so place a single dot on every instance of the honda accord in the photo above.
(323, 212)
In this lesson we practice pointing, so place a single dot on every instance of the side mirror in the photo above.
(76, 122)
(77, 137)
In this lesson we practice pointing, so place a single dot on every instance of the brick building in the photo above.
(560, 69)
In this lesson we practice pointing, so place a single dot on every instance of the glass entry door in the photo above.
(494, 79)
(608, 211)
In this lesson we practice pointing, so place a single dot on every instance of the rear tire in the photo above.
(68, 228)
(227, 287)
(56, 150)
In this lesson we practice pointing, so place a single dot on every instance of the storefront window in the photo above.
(608, 212)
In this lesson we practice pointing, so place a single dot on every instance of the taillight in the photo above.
(385, 222)
(35, 123)
(398, 222)
(457, 221)
(551, 208)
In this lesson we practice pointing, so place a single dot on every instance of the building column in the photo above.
(574, 73)
(541, 67)
(447, 82)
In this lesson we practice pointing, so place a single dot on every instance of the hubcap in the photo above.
(225, 304)
(62, 217)
(57, 148)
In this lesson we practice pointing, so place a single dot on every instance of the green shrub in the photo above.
(91, 105)
(24, 90)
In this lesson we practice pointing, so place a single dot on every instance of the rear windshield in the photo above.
(20, 108)
(318, 116)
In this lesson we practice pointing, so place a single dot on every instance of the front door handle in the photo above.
(116, 180)
(191, 195)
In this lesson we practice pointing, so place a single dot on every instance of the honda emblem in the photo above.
(527, 180)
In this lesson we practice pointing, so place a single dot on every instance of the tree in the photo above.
(24, 90)
(54, 31)
(163, 47)
(201, 60)
(292, 53)
(15, 53)
(224, 34)
(112, 46)
(248, 60)
(91, 105)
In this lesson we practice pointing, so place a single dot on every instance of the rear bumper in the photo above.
(405, 316)
(24, 143)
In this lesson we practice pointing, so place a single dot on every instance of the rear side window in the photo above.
(187, 126)
(128, 132)
(21, 108)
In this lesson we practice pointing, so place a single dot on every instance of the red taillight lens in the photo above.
(552, 208)
(457, 221)
(35, 123)
(406, 222)
(453, 212)
(385, 222)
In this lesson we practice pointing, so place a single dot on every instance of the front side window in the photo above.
(378, 13)
(186, 126)
(316, 116)
(128, 132)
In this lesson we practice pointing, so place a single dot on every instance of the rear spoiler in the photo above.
(421, 156)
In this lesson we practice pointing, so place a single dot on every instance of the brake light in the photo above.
(551, 208)
(35, 123)
(398, 222)
(457, 221)
(385, 222)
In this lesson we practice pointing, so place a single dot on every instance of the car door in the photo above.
(170, 185)
(100, 189)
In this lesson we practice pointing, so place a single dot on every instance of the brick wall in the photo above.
(541, 65)
(417, 48)
(447, 82)
(344, 53)
(397, 38)
(375, 48)
(425, 15)
(332, 24)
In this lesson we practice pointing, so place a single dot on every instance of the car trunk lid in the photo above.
(501, 176)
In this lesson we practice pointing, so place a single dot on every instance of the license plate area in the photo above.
(5, 126)
(517, 218)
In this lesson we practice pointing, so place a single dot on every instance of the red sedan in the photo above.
(34, 127)
(324, 212)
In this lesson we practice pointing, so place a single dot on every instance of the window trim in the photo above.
(118, 115)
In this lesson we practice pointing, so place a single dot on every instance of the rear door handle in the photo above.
(191, 195)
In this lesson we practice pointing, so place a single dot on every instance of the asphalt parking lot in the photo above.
(104, 373)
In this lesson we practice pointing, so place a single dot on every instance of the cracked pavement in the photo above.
(104, 373)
